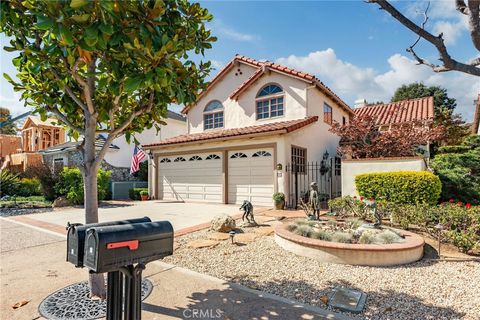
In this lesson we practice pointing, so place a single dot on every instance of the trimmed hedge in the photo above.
(134, 193)
(404, 187)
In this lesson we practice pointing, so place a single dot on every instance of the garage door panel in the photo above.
(199, 180)
(251, 178)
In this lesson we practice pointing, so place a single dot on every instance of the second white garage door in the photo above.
(250, 176)
(196, 177)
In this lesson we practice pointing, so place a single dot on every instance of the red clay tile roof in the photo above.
(398, 112)
(264, 65)
(281, 126)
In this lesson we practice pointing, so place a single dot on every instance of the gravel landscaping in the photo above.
(10, 212)
(428, 289)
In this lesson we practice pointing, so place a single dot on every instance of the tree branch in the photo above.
(89, 88)
(114, 133)
(70, 92)
(474, 22)
(461, 6)
(62, 117)
(448, 62)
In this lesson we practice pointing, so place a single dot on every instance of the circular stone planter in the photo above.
(408, 251)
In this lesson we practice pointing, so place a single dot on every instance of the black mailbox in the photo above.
(109, 248)
(76, 237)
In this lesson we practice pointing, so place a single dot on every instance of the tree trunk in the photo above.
(90, 170)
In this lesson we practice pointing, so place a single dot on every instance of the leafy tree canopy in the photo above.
(9, 128)
(116, 63)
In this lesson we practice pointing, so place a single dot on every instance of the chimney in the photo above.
(360, 103)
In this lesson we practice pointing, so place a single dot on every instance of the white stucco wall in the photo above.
(352, 168)
(123, 157)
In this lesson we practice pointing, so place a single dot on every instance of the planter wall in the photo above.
(408, 251)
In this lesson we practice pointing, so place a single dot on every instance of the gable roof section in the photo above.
(263, 67)
(420, 109)
(36, 121)
(175, 116)
(275, 127)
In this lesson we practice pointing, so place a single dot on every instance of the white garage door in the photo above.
(250, 176)
(195, 177)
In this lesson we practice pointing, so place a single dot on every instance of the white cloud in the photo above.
(222, 30)
(352, 82)
(451, 30)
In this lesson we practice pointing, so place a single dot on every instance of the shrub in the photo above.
(348, 206)
(462, 225)
(405, 187)
(458, 168)
(134, 193)
(387, 237)
(367, 237)
(70, 185)
(304, 231)
(322, 235)
(278, 196)
(342, 237)
(144, 193)
(47, 178)
(354, 223)
(29, 187)
(8, 183)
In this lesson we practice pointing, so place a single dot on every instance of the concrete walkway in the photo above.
(181, 215)
(33, 266)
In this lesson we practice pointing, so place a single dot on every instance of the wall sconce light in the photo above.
(279, 166)
(150, 154)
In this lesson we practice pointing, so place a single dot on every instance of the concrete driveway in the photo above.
(181, 215)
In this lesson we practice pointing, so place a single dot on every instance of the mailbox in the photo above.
(109, 248)
(76, 237)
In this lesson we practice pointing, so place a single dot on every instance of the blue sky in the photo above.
(354, 48)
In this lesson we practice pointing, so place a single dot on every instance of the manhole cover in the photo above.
(73, 303)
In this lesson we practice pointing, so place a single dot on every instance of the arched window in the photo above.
(195, 158)
(238, 155)
(179, 159)
(164, 160)
(213, 115)
(261, 154)
(212, 157)
(270, 102)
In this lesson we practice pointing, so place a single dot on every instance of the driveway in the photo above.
(181, 215)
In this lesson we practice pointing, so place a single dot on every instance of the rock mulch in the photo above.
(10, 212)
(428, 289)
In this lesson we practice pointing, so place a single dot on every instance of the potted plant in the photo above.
(279, 200)
(144, 195)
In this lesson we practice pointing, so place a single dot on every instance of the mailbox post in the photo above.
(122, 250)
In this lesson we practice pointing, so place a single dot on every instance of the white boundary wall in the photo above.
(352, 168)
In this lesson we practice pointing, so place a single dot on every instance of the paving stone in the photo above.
(245, 237)
(264, 231)
(219, 236)
(348, 300)
(202, 243)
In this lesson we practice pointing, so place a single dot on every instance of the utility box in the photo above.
(109, 248)
(76, 237)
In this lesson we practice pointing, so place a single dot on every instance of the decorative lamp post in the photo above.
(439, 227)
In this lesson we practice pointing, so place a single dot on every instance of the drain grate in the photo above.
(73, 303)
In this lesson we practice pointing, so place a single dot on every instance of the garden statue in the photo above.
(314, 201)
(247, 208)
(377, 214)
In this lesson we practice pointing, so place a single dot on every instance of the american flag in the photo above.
(138, 156)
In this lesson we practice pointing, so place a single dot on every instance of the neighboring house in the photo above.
(419, 110)
(36, 135)
(119, 156)
(9, 144)
(253, 119)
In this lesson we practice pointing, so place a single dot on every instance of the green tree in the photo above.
(106, 67)
(444, 107)
(458, 168)
(9, 128)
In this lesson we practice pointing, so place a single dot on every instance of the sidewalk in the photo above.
(33, 266)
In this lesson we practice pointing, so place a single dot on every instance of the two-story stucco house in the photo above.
(252, 120)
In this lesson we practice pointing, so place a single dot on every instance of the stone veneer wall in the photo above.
(72, 158)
